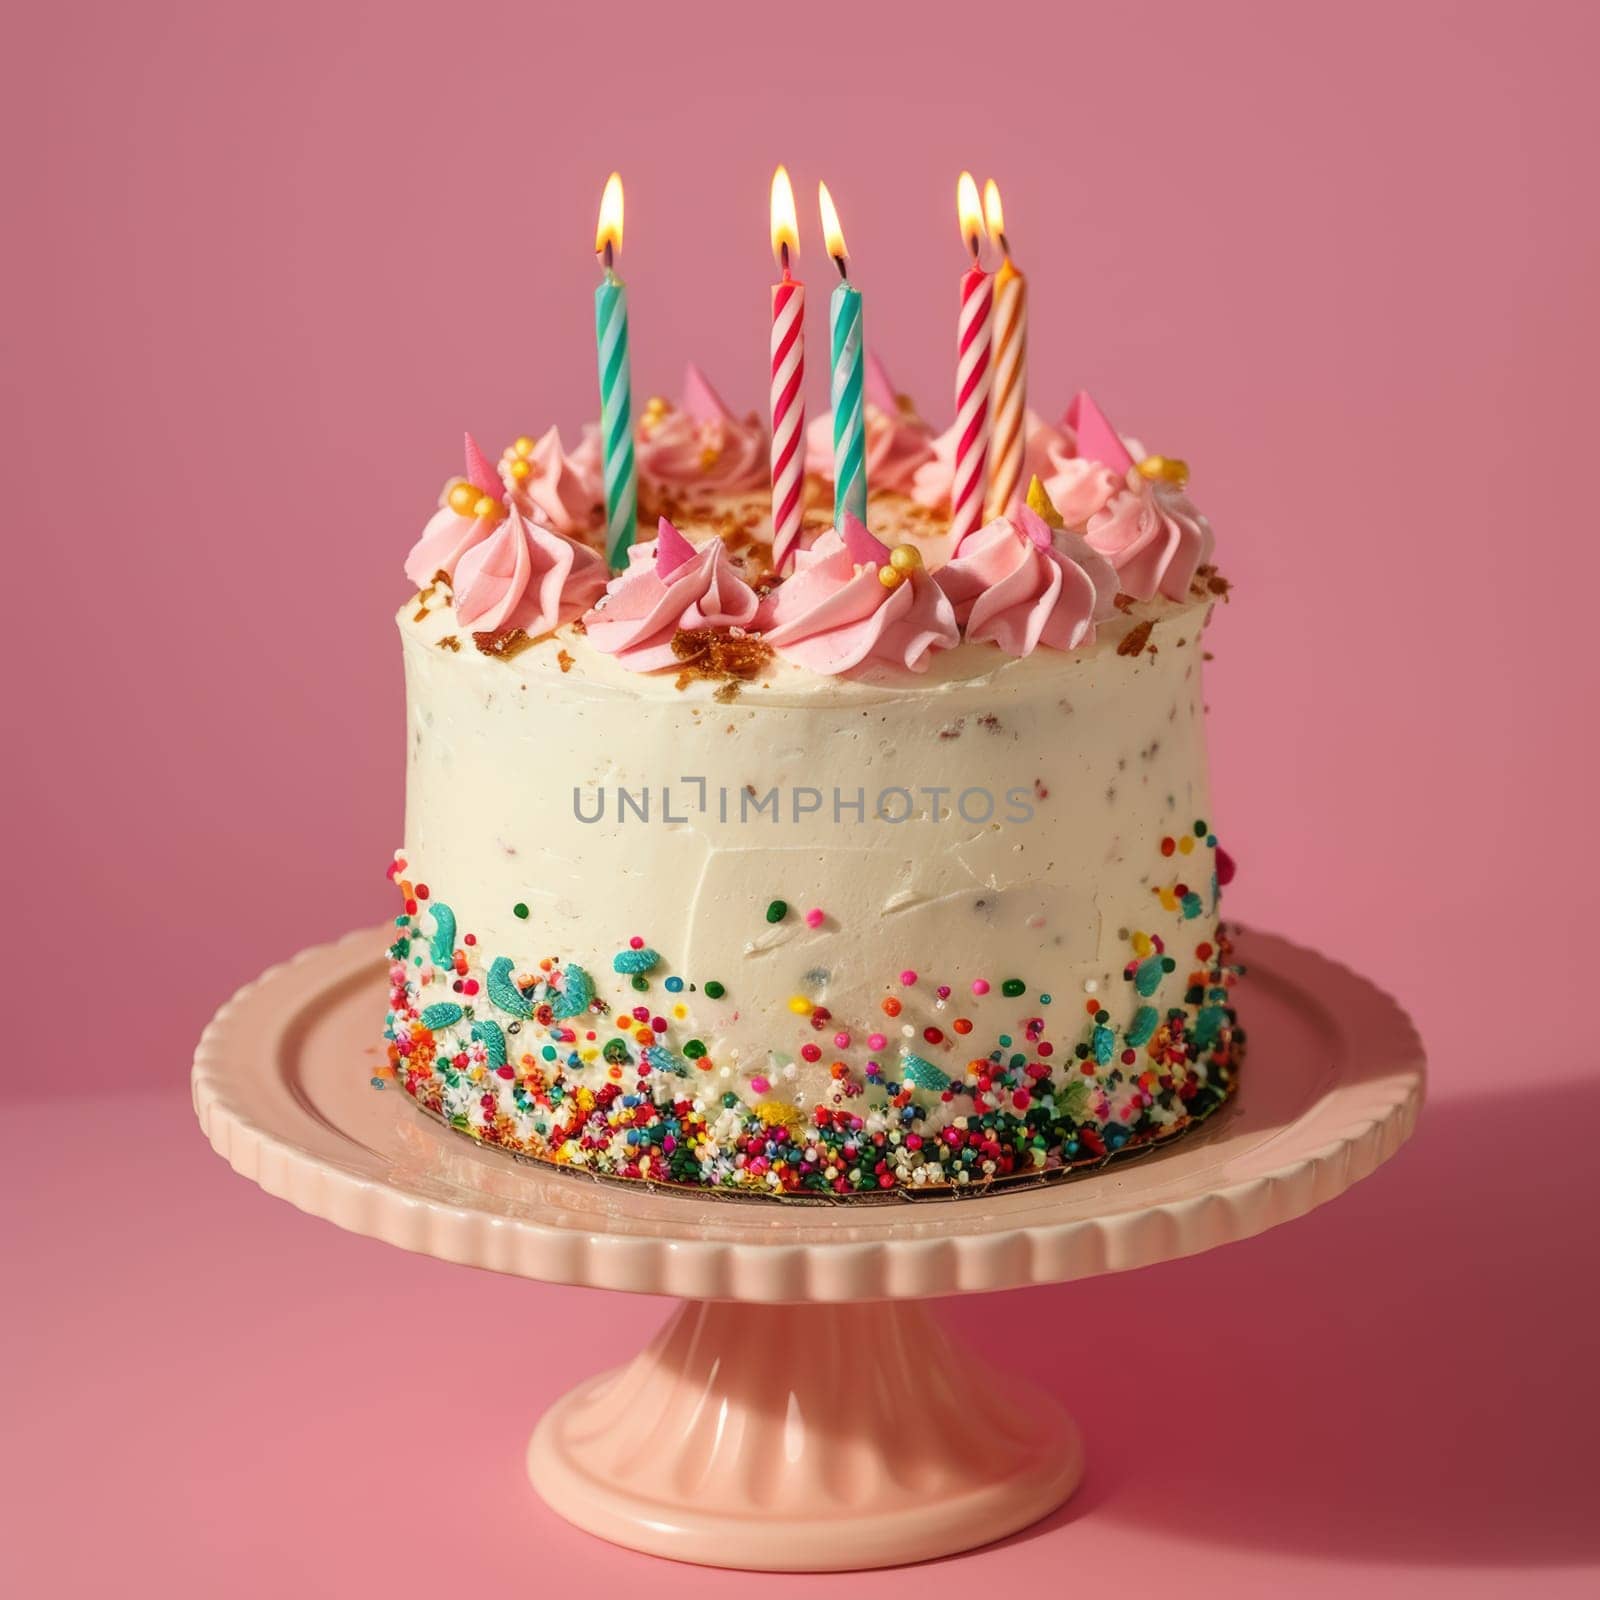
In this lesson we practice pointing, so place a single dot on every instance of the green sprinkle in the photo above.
(1012, 987)
(694, 1049)
(1200, 829)
(777, 911)
(520, 909)
(640, 982)
(1143, 1025)
(714, 990)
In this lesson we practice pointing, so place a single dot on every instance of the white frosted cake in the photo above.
(895, 872)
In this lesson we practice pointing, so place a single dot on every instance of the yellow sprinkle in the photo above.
(1042, 505)
(800, 1005)
(1142, 945)
(680, 1012)
(1185, 845)
(1169, 901)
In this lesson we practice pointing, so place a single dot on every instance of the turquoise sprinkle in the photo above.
(914, 1069)
(1143, 1025)
(576, 993)
(674, 985)
(662, 1059)
(1105, 1044)
(503, 992)
(441, 1015)
(443, 945)
(488, 1034)
(634, 961)
(1147, 979)
(1191, 905)
(549, 1052)
(1207, 1025)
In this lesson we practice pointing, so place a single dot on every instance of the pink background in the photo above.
(267, 263)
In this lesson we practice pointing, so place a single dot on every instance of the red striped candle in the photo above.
(788, 401)
(974, 336)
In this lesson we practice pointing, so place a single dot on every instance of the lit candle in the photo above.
(788, 399)
(973, 332)
(616, 399)
(849, 419)
(1010, 363)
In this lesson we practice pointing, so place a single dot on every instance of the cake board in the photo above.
(801, 1411)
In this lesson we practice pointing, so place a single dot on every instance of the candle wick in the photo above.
(973, 246)
(1005, 248)
(844, 272)
(783, 256)
(609, 255)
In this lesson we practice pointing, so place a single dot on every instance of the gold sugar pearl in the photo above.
(462, 498)
(486, 506)
(521, 469)
(1167, 469)
(905, 558)
(891, 577)
(522, 445)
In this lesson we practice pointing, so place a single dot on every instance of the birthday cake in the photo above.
(872, 857)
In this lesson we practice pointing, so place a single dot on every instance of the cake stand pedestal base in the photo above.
(803, 1438)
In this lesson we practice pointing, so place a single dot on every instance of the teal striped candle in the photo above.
(849, 420)
(616, 387)
(848, 375)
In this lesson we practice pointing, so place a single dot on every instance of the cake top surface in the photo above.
(1100, 542)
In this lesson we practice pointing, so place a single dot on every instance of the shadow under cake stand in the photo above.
(801, 1411)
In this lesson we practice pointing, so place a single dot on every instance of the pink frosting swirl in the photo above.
(668, 585)
(1078, 488)
(564, 492)
(525, 576)
(898, 440)
(449, 533)
(834, 615)
(1017, 584)
(1155, 538)
(701, 444)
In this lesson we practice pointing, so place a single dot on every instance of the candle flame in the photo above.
(785, 225)
(970, 212)
(609, 229)
(994, 215)
(831, 231)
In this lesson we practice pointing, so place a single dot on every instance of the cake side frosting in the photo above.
(824, 936)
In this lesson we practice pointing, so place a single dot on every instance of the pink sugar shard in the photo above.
(864, 549)
(672, 549)
(480, 474)
(879, 387)
(1097, 439)
(700, 400)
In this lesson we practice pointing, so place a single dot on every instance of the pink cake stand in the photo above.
(800, 1411)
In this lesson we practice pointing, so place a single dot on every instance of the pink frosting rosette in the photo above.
(668, 585)
(564, 492)
(525, 576)
(898, 440)
(1154, 536)
(835, 613)
(700, 444)
(1017, 583)
(456, 526)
